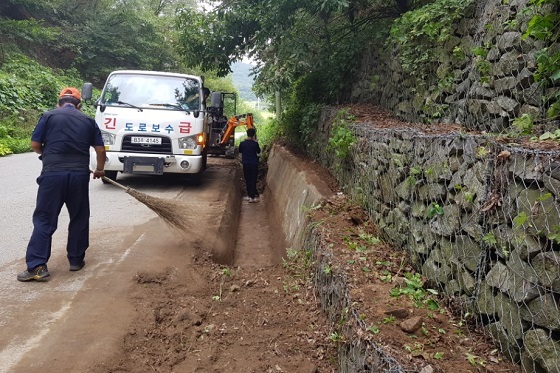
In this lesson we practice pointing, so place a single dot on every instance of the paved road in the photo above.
(31, 313)
(110, 206)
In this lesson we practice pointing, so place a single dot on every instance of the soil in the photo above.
(379, 118)
(263, 316)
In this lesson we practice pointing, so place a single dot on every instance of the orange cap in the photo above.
(70, 92)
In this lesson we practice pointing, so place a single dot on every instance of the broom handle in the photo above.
(105, 178)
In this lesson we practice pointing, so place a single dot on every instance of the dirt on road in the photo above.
(206, 317)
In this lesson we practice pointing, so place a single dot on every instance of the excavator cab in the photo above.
(222, 128)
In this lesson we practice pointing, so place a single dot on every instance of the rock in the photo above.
(412, 324)
(234, 288)
(399, 313)
(427, 369)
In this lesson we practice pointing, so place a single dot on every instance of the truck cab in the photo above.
(152, 123)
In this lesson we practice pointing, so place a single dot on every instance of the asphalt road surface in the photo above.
(111, 207)
(54, 324)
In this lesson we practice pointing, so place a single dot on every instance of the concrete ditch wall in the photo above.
(223, 243)
(293, 192)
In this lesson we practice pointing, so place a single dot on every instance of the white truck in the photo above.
(152, 123)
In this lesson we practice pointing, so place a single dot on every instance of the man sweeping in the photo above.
(63, 137)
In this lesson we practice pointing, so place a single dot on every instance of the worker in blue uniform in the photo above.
(63, 137)
(250, 153)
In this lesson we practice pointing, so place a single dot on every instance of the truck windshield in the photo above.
(153, 91)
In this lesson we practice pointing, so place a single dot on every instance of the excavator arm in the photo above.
(236, 121)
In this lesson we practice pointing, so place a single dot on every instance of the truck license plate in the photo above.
(143, 168)
(146, 140)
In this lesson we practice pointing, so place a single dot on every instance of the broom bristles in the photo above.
(170, 211)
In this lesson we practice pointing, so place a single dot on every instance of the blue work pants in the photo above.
(57, 188)
(251, 172)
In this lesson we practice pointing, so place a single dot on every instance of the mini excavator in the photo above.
(222, 129)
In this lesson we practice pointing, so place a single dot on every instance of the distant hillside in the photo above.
(243, 80)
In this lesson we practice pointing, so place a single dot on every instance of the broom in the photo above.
(172, 213)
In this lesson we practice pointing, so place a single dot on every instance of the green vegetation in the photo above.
(309, 52)
(15, 132)
(522, 125)
(415, 32)
(415, 290)
(549, 136)
(225, 275)
(475, 360)
(489, 239)
(520, 219)
(545, 26)
(26, 89)
(434, 209)
(555, 236)
(342, 138)
(297, 264)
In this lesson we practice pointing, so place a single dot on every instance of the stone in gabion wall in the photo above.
(479, 218)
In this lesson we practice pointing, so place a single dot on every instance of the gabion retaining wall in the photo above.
(480, 219)
(358, 353)
(483, 76)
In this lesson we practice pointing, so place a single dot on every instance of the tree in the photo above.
(289, 39)
(95, 36)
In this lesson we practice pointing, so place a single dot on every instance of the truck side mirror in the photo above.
(87, 91)
(216, 104)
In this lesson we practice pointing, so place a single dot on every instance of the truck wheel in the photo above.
(205, 159)
(110, 175)
(196, 179)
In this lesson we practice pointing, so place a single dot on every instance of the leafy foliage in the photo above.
(342, 138)
(300, 122)
(434, 209)
(15, 131)
(27, 89)
(545, 26)
(25, 84)
(94, 37)
(288, 39)
(426, 26)
(523, 125)
(301, 117)
(414, 289)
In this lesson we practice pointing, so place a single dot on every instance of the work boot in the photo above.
(39, 273)
(77, 267)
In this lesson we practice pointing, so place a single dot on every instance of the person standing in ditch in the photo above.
(63, 137)
(250, 153)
